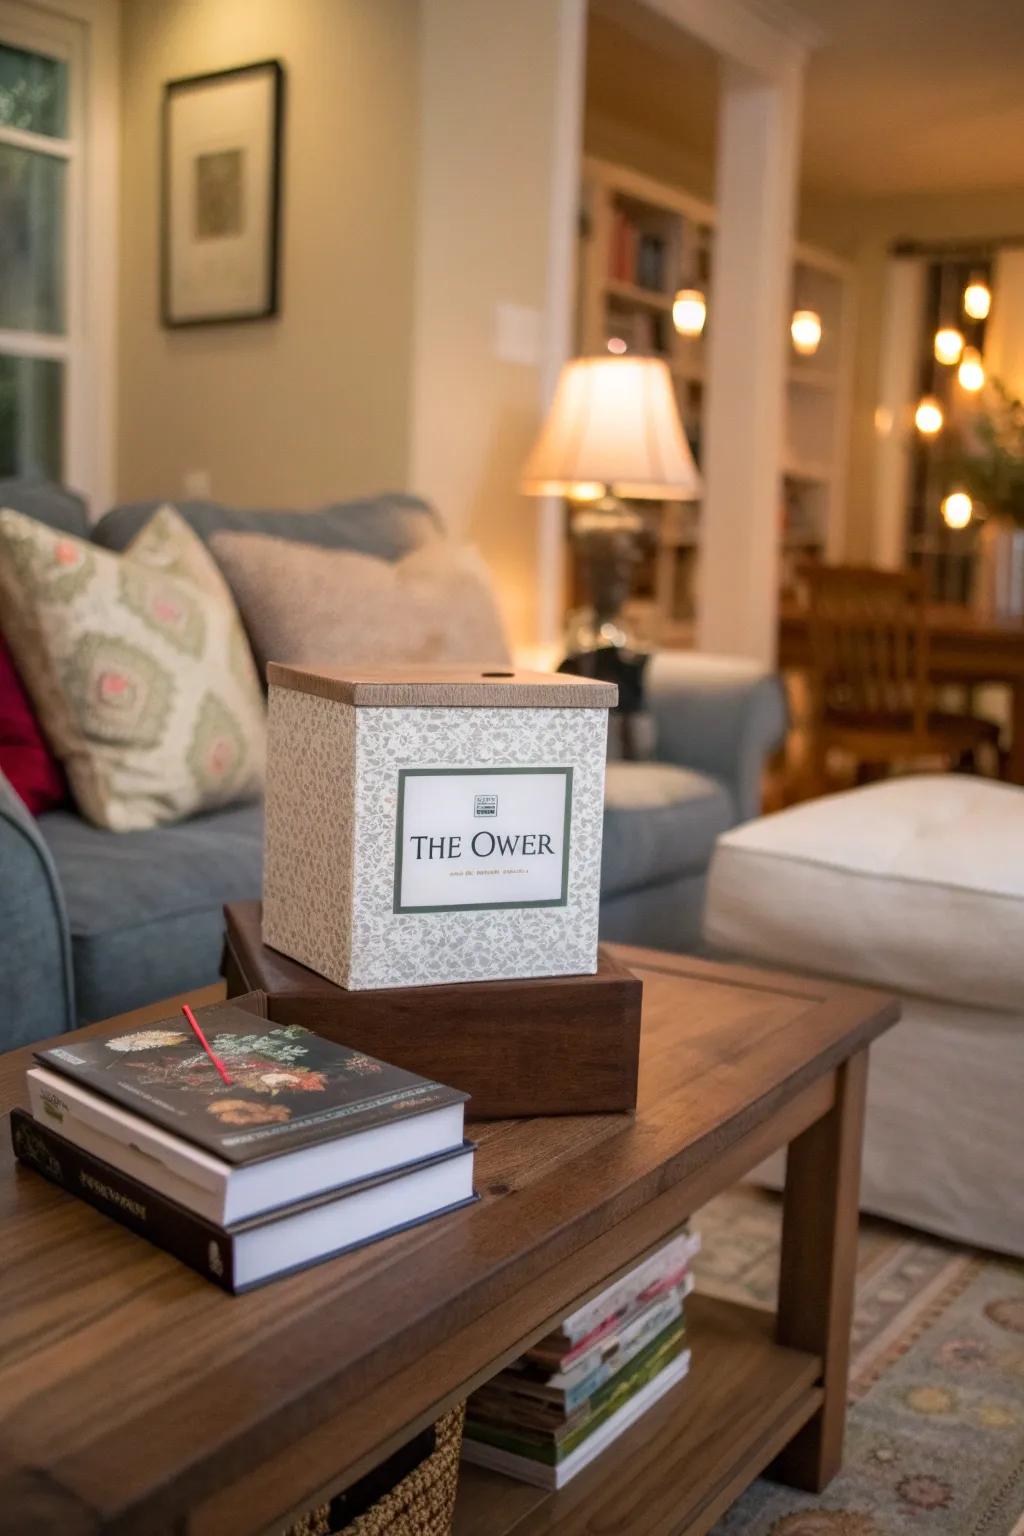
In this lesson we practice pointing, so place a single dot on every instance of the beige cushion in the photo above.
(309, 606)
(138, 667)
(916, 884)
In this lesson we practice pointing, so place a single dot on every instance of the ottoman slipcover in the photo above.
(915, 885)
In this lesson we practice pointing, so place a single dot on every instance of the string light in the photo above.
(977, 299)
(928, 417)
(957, 509)
(971, 372)
(689, 311)
(949, 343)
(805, 329)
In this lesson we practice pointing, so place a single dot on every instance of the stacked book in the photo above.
(257, 1152)
(556, 1408)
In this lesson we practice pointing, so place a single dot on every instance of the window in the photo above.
(55, 349)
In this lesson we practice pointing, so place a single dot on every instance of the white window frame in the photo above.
(84, 34)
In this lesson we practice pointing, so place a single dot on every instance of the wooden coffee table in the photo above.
(136, 1397)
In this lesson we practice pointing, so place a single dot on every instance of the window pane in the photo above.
(33, 92)
(31, 416)
(31, 241)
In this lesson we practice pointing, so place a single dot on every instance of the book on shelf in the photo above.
(302, 1115)
(566, 1390)
(636, 256)
(549, 1413)
(266, 1247)
(302, 1149)
(554, 1473)
(601, 1314)
(641, 330)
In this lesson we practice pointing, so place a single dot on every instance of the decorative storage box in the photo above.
(430, 825)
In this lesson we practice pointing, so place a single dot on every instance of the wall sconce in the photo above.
(689, 311)
(805, 329)
(949, 343)
(928, 417)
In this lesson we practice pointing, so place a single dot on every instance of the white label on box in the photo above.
(482, 837)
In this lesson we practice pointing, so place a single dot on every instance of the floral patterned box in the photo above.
(429, 825)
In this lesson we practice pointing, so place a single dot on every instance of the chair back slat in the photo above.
(869, 643)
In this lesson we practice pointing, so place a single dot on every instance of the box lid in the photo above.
(419, 687)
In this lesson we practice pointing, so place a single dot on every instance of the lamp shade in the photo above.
(613, 425)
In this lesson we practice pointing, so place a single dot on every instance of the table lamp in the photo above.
(613, 431)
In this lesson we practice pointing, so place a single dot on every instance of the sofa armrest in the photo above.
(36, 979)
(721, 715)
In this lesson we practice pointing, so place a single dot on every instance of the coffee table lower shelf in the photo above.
(681, 1466)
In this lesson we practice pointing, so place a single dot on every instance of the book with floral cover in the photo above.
(300, 1115)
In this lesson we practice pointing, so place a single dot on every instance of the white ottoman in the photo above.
(915, 886)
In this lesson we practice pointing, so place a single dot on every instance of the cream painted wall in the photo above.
(498, 190)
(313, 405)
(864, 232)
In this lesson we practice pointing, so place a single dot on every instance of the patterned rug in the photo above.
(935, 1431)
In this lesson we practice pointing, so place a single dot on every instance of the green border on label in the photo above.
(479, 906)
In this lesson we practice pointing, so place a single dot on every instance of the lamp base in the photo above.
(607, 535)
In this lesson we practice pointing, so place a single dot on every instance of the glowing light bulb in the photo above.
(949, 343)
(617, 345)
(928, 417)
(689, 311)
(957, 509)
(977, 299)
(805, 329)
(971, 372)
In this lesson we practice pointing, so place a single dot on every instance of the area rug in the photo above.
(935, 1430)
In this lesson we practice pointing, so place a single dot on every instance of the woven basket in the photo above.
(422, 1504)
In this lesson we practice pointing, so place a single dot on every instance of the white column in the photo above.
(898, 385)
(755, 194)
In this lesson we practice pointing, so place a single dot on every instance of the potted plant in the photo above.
(986, 459)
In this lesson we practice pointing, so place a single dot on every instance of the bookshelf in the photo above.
(641, 241)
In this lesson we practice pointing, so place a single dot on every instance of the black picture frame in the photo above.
(271, 300)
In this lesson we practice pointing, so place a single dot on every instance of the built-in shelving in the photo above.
(640, 242)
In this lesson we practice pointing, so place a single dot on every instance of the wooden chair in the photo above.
(870, 682)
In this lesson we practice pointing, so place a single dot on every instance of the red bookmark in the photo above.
(187, 1011)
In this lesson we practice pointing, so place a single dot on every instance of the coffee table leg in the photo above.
(818, 1268)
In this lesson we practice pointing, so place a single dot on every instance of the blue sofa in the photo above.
(94, 923)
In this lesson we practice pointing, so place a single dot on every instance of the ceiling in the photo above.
(914, 95)
(902, 96)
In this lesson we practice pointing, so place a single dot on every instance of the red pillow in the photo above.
(25, 755)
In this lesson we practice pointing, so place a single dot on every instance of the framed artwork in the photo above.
(222, 195)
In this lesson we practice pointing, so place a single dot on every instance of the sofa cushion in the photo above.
(660, 822)
(916, 884)
(144, 683)
(48, 503)
(387, 526)
(144, 908)
(313, 607)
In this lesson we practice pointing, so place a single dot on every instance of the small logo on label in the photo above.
(485, 805)
(53, 1107)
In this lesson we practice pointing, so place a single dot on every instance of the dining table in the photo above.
(965, 647)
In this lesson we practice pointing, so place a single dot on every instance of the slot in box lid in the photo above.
(445, 687)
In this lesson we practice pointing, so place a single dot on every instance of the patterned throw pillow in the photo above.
(138, 667)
